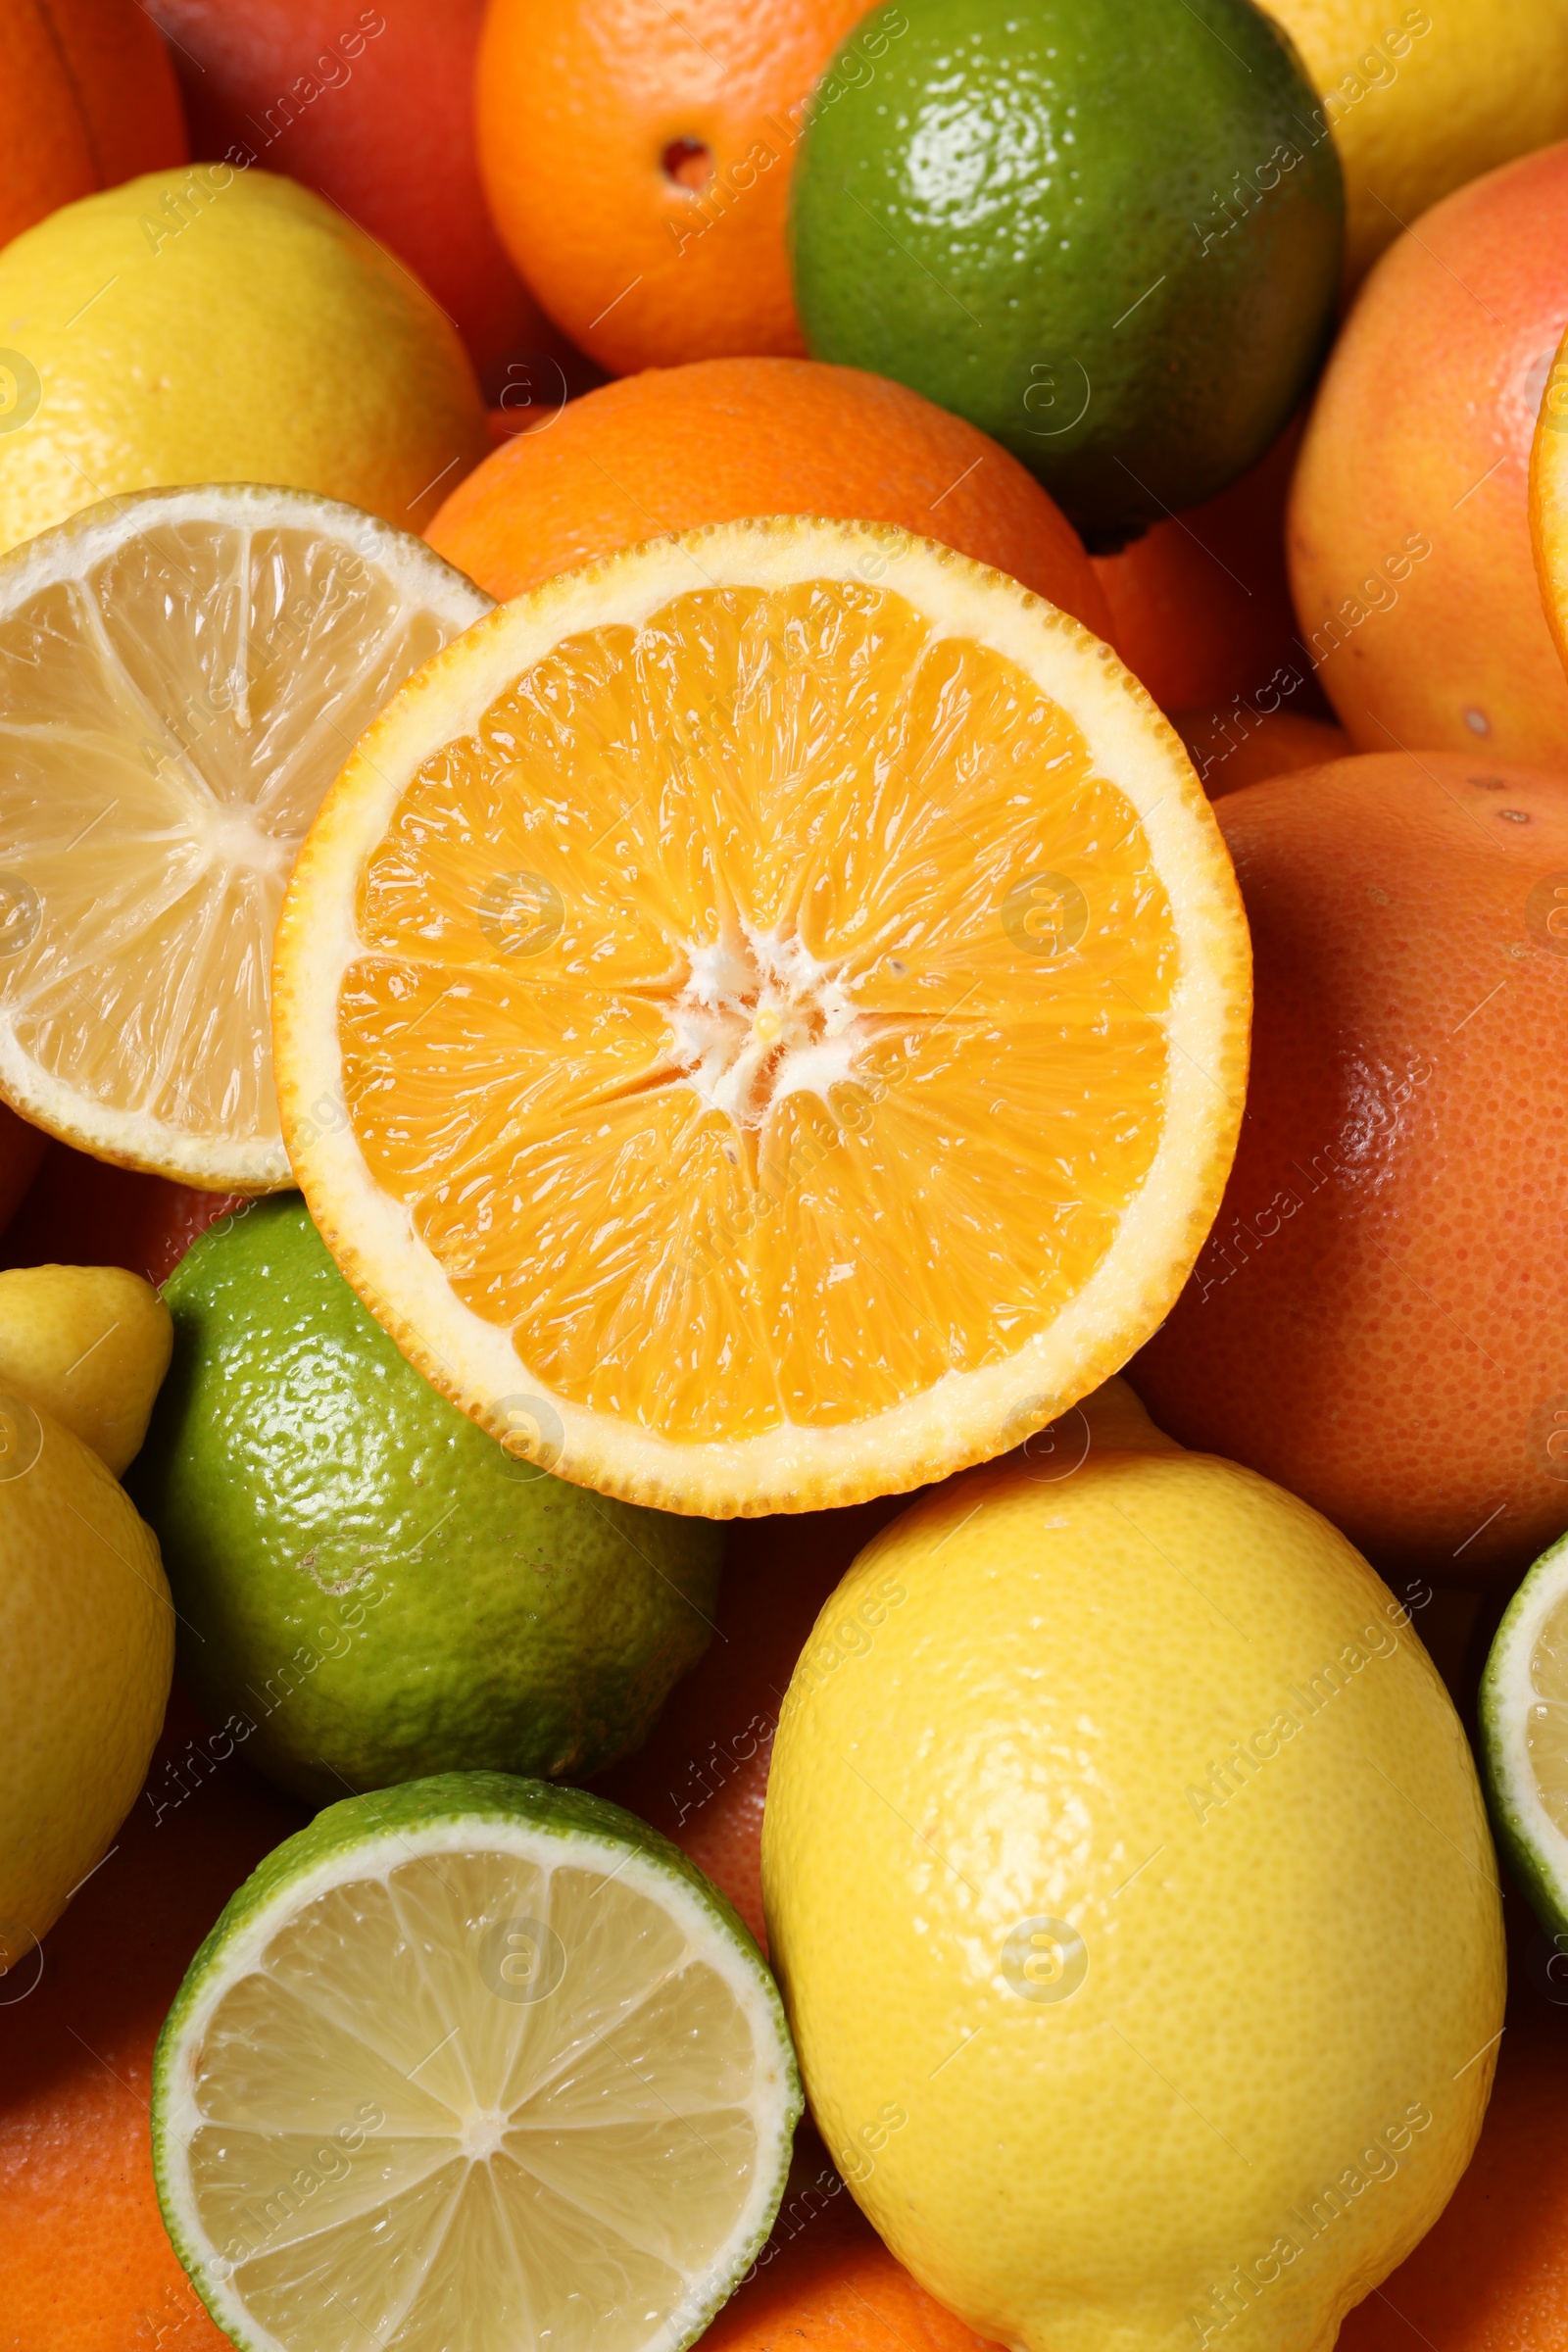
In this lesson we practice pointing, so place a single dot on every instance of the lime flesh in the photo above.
(478, 2062)
(1522, 1707)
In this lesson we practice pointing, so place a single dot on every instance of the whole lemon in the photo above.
(87, 1640)
(212, 324)
(1420, 100)
(1126, 1870)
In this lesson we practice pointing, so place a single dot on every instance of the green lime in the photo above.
(476, 2061)
(1523, 1710)
(370, 1588)
(1107, 231)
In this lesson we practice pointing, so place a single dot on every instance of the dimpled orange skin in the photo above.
(1421, 437)
(1377, 1318)
(580, 102)
(681, 447)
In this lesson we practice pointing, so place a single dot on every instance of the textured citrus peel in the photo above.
(369, 888)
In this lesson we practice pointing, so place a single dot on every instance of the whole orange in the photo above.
(637, 159)
(1200, 606)
(702, 1775)
(1378, 1319)
(87, 99)
(85, 2264)
(1242, 746)
(680, 447)
(1410, 526)
(373, 109)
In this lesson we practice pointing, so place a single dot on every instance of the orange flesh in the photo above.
(724, 1023)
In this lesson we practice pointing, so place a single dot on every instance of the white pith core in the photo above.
(759, 1019)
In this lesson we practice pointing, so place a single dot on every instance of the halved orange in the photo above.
(763, 1020)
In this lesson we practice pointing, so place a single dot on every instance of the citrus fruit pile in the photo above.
(783, 1175)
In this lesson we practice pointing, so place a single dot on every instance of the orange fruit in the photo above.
(678, 448)
(637, 159)
(87, 99)
(1240, 745)
(825, 2282)
(1200, 606)
(762, 1020)
(374, 110)
(84, 2261)
(1493, 2274)
(1410, 524)
(1378, 1319)
(702, 1775)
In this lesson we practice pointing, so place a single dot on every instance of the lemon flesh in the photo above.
(182, 676)
(476, 2061)
(1128, 1878)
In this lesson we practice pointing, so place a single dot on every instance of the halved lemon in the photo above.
(473, 2062)
(182, 673)
(763, 1020)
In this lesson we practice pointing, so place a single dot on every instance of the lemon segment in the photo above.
(777, 999)
(182, 676)
(477, 2061)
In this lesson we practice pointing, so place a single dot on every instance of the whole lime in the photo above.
(1107, 231)
(370, 1588)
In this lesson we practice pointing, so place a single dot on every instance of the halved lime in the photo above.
(1523, 1708)
(182, 673)
(475, 2062)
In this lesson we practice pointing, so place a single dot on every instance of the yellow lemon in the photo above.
(1132, 1893)
(93, 1344)
(214, 326)
(1422, 98)
(86, 1633)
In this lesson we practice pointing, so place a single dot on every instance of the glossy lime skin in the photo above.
(370, 1588)
(1107, 231)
